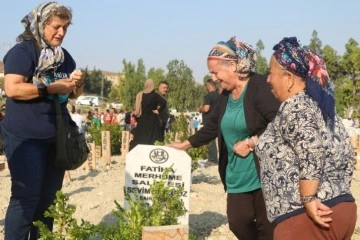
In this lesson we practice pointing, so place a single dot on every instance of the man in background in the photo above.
(210, 100)
(77, 118)
(163, 89)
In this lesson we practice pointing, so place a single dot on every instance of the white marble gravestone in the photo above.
(146, 163)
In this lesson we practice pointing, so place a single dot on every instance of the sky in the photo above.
(106, 32)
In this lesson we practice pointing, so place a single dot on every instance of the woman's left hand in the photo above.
(241, 148)
(318, 213)
(78, 77)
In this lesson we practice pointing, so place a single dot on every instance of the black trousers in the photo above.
(247, 216)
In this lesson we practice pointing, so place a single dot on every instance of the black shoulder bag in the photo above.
(71, 147)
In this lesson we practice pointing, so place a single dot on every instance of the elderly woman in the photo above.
(29, 125)
(242, 113)
(148, 104)
(305, 154)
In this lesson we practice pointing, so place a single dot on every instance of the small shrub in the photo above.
(65, 226)
(181, 132)
(167, 206)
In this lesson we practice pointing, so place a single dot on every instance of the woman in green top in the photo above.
(245, 107)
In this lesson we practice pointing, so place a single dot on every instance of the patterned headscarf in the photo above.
(306, 64)
(238, 51)
(50, 57)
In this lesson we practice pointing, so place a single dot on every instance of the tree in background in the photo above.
(95, 81)
(157, 75)
(315, 43)
(184, 94)
(350, 65)
(132, 82)
(332, 61)
(261, 65)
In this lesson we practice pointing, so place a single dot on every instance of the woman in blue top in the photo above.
(29, 125)
(244, 109)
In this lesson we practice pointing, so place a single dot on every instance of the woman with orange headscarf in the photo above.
(244, 109)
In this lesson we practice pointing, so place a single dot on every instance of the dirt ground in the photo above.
(94, 193)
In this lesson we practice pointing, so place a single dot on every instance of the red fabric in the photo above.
(107, 118)
(301, 227)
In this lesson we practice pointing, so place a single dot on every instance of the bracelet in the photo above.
(252, 138)
(248, 145)
(307, 199)
(43, 91)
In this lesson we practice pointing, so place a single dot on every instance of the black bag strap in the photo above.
(56, 96)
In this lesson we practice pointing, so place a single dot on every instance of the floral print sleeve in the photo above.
(301, 131)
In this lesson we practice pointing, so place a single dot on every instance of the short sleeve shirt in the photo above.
(32, 119)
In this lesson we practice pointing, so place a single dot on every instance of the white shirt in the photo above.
(78, 119)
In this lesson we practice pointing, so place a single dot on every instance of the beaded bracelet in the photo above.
(307, 199)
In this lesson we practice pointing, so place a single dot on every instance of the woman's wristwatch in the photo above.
(43, 91)
(307, 199)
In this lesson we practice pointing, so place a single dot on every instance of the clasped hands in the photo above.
(241, 148)
(68, 85)
(319, 213)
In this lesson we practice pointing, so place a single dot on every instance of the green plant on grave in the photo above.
(192, 237)
(115, 136)
(181, 132)
(65, 226)
(167, 206)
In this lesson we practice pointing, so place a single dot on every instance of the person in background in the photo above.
(305, 154)
(95, 117)
(102, 118)
(121, 119)
(169, 123)
(89, 118)
(196, 124)
(127, 120)
(114, 117)
(2, 112)
(77, 118)
(244, 109)
(210, 100)
(163, 89)
(29, 126)
(148, 104)
(107, 117)
(133, 121)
